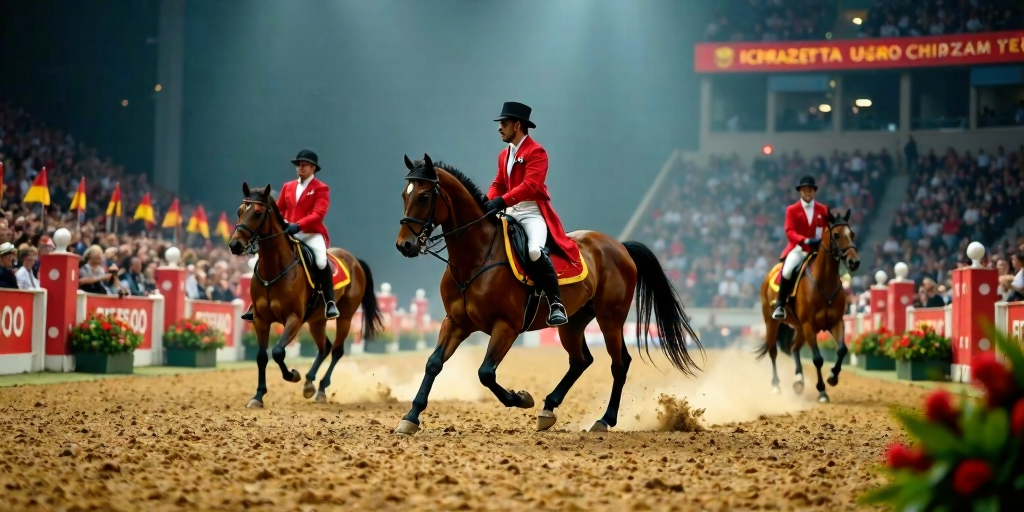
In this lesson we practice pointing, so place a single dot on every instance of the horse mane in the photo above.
(472, 188)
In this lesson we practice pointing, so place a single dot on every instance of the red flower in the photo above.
(905, 342)
(994, 377)
(106, 326)
(970, 476)
(938, 407)
(1017, 418)
(900, 456)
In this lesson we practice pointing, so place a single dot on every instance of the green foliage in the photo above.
(873, 343)
(192, 334)
(921, 344)
(104, 333)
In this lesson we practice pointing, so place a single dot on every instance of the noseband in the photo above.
(839, 254)
(427, 225)
(253, 245)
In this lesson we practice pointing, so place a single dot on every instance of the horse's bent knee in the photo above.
(818, 361)
(278, 353)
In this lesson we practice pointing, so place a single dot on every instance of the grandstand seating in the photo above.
(901, 18)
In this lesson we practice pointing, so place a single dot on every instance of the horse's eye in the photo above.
(424, 197)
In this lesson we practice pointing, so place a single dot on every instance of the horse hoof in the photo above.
(823, 398)
(295, 376)
(545, 420)
(407, 428)
(308, 390)
(832, 380)
(599, 426)
(525, 400)
(798, 387)
(776, 390)
(321, 397)
(254, 404)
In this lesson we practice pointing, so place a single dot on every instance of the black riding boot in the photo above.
(785, 289)
(327, 289)
(544, 274)
(247, 316)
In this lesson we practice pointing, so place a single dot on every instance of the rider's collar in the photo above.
(806, 204)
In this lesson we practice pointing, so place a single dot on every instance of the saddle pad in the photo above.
(775, 276)
(339, 272)
(568, 271)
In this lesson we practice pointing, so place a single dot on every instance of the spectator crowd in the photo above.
(718, 228)
(115, 262)
(915, 18)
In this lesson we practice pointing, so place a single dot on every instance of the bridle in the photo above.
(252, 247)
(427, 226)
(837, 253)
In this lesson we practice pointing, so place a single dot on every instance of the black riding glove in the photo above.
(813, 242)
(291, 229)
(494, 205)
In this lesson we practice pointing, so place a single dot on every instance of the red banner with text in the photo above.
(16, 314)
(137, 312)
(899, 52)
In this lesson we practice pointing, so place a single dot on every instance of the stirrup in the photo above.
(247, 316)
(779, 313)
(557, 314)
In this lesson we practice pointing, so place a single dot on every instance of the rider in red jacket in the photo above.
(304, 203)
(519, 189)
(806, 219)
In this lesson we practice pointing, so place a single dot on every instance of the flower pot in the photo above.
(376, 347)
(100, 362)
(830, 355)
(406, 345)
(923, 369)
(875, 363)
(251, 351)
(191, 358)
(308, 350)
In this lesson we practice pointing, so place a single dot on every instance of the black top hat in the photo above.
(515, 110)
(307, 156)
(807, 181)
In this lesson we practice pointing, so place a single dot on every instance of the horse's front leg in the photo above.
(839, 334)
(502, 338)
(262, 329)
(291, 329)
(449, 339)
(818, 360)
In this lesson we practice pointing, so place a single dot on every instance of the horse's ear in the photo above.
(831, 218)
(245, 189)
(429, 171)
(847, 216)
(408, 164)
(266, 191)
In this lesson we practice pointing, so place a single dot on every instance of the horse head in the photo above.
(420, 197)
(840, 242)
(258, 220)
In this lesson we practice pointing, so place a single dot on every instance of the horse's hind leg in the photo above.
(319, 332)
(343, 325)
(611, 323)
(502, 338)
(571, 335)
(839, 334)
(796, 345)
(291, 328)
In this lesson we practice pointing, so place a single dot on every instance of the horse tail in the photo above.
(655, 294)
(373, 321)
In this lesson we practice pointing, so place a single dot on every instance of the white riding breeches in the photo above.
(793, 260)
(528, 214)
(316, 243)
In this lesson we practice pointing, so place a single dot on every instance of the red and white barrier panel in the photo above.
(1009, 319)
(22, 331)
(939, 320)
(225, 317)
(145, 316)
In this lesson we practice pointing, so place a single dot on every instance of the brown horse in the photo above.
(818, 305)
(282, 293)
(481, 293)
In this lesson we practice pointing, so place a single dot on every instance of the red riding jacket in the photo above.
(526, 183)
(799, 227)
(310, 210)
